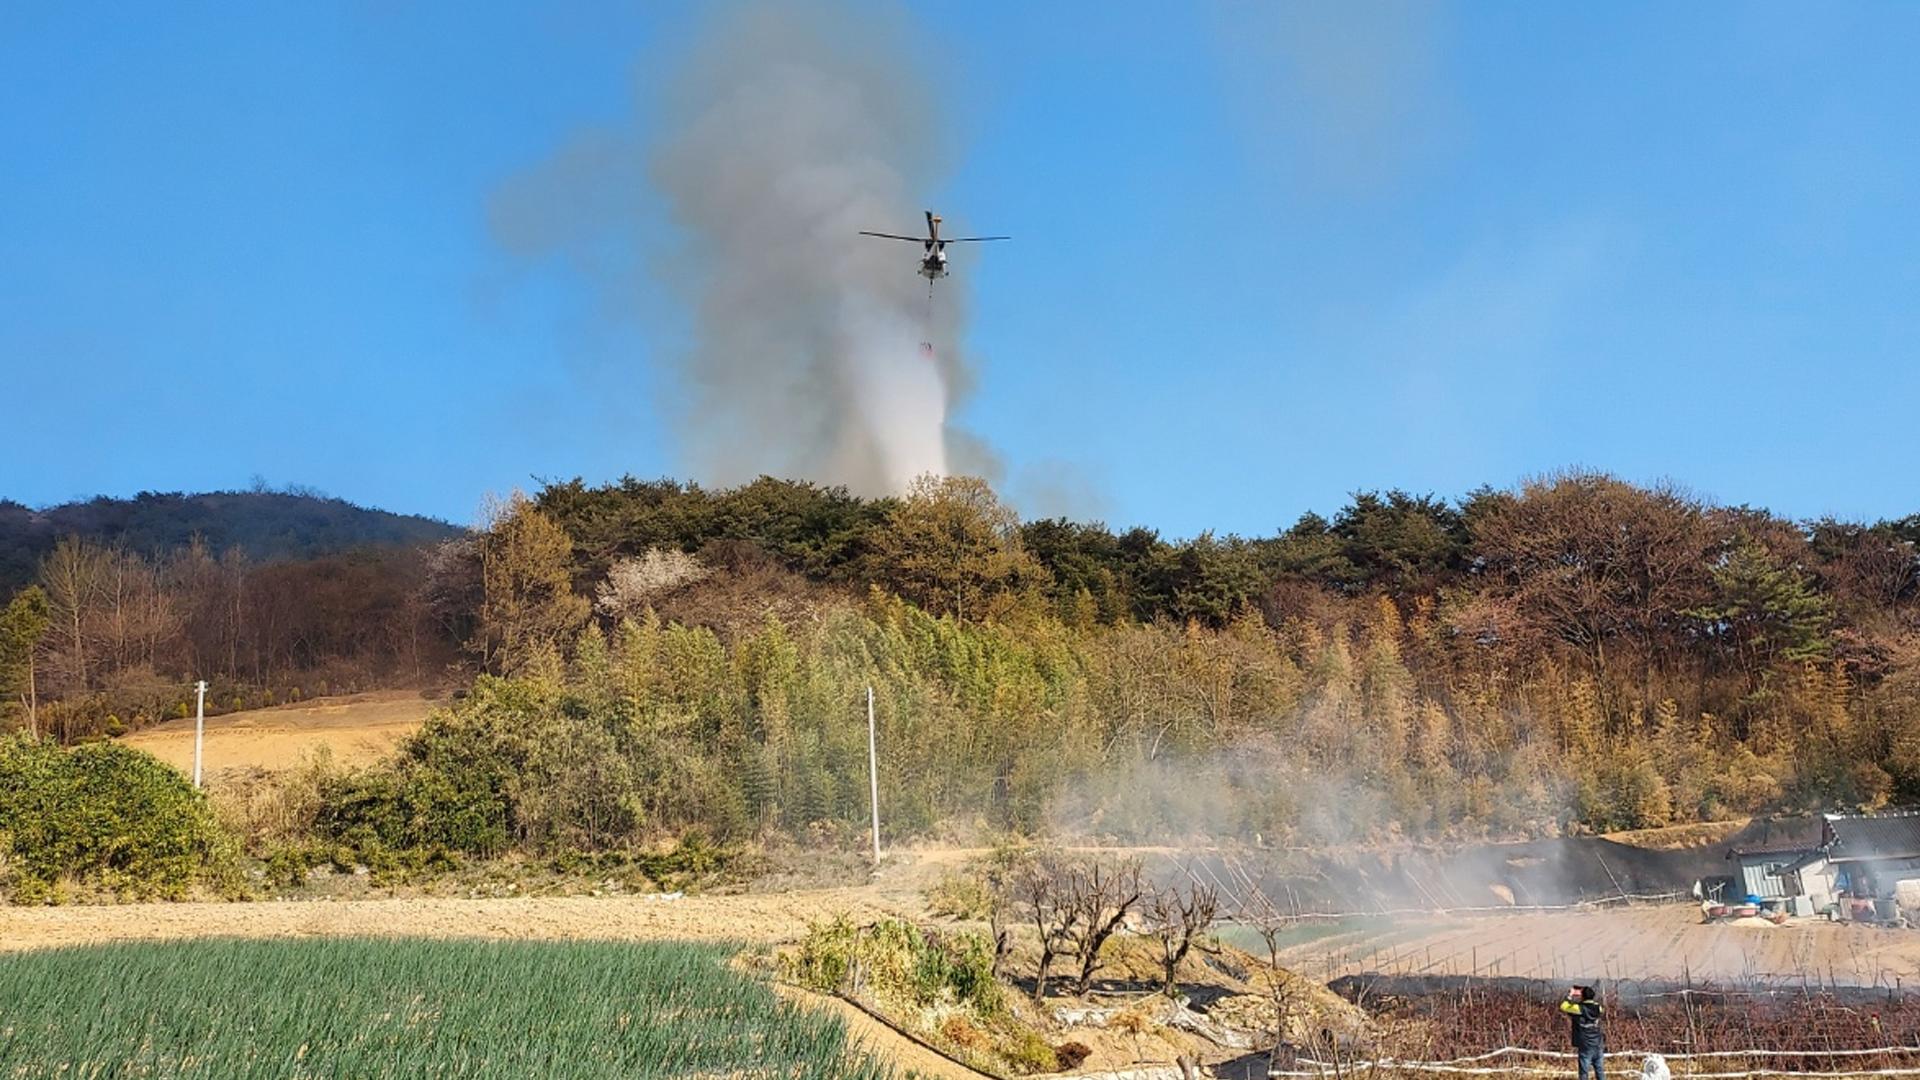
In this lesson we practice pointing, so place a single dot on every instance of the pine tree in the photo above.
(23, 624)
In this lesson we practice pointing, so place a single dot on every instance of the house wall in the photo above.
(1886, 873)
(1756, 881)
(1820, 879)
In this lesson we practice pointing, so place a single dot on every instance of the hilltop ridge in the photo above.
(267, 525)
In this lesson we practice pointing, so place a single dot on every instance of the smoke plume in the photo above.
(792, 129)
(788, 130)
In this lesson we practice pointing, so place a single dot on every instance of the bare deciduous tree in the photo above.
(1254, 907)
(1002, 910)
(74, 575)
(1037, 887)
(1099, 892)
(1177, 916)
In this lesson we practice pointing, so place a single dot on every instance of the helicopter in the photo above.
(933, 261)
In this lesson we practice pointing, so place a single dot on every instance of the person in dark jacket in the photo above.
(1582, 1007)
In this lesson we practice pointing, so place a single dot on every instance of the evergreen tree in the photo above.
(23, 625)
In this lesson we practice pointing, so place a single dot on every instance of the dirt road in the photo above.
(752, 919)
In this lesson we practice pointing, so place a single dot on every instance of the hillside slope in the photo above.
(266, 525)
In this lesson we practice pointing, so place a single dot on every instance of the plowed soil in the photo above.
(1655, 942)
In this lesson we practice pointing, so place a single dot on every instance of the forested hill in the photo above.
(1576, 651)
(266, 525)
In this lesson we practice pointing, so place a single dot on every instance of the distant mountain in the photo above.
(265, 524)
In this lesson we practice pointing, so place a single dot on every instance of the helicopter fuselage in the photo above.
(933, 246)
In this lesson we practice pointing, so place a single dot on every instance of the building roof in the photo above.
(1880, 836)
(1778, 836)
(1782, 847)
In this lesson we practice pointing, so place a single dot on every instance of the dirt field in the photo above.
(1667, 941)
(357, 730)
(720, 918)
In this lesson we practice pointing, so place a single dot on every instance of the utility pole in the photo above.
(873, 778)
(199, 725)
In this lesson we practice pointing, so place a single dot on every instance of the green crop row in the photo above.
(346, 1008)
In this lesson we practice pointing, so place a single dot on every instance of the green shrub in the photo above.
(288, 865)
(508, 767)
(825, 959)
(412, 807)
(960, 895)
(108, 815)
(970, 971)
(691, 857)
(894, 961)
(1029, 1053)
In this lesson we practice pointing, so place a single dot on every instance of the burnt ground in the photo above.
(1805, 1028)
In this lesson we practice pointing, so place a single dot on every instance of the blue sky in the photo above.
(1264, 255)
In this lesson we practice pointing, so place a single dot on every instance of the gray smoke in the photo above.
(794, 127)
(788, 130)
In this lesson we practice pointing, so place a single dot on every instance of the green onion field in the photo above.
(361, 1008)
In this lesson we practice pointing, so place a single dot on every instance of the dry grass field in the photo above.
(356, 730)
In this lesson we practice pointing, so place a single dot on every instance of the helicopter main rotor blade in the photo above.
(894, 236)
(972, 239)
